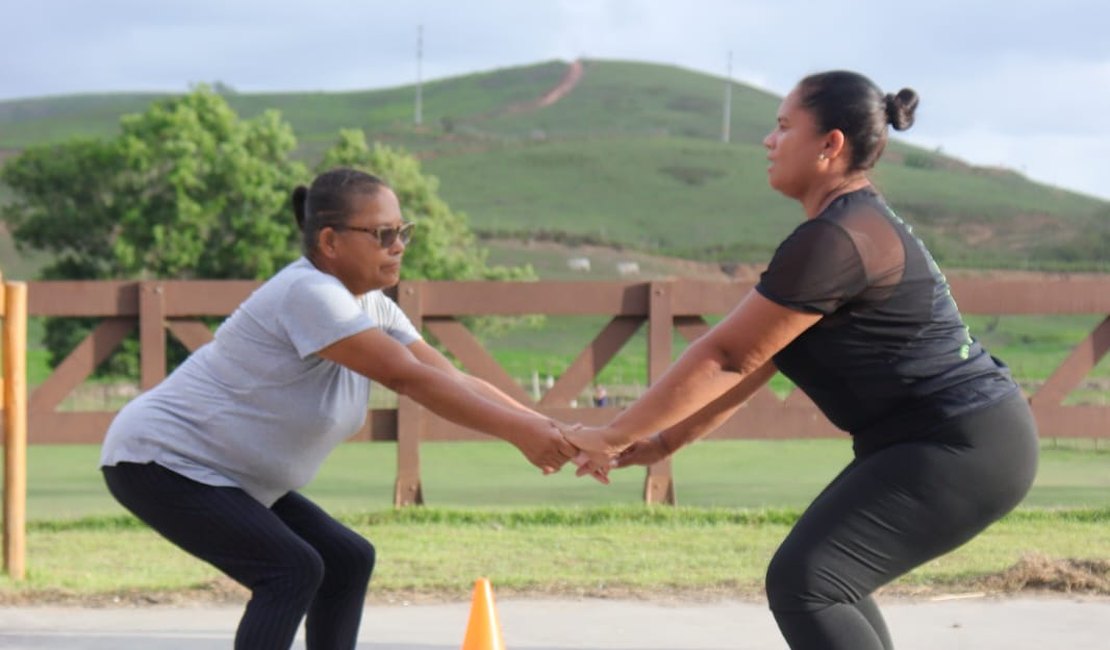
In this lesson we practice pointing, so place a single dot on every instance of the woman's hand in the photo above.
(544, 446)
(643, 452)
(596, 454)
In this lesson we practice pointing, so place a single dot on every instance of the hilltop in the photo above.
(628, 156)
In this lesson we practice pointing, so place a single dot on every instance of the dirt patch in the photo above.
(220, 591)
(1039, 573)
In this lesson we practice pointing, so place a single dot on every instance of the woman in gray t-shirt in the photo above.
(212, 457)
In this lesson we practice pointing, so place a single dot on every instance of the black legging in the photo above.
(293, 557)
(893, 510)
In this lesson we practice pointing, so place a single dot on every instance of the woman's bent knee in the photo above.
(796, 584)
(365, 557)
(786, 583)
(303, 576)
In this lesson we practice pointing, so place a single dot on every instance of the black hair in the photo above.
(326, 203)
(852, 103)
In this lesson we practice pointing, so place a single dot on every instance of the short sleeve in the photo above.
(816, 269)
(317, 310)
(392, 320)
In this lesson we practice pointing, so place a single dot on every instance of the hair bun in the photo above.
(900, 109)
(300, 202)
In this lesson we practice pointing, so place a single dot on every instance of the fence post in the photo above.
(152, 334)
(15, 427)
(659, 483)
(407, 490)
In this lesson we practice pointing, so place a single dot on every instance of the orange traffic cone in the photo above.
(483, 631)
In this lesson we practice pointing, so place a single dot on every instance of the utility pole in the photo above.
(728, 102)
(418, 114)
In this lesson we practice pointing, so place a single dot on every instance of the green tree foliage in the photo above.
(207, 193)
(186, 190)
(63, 201)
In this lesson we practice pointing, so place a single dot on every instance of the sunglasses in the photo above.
(386, 235)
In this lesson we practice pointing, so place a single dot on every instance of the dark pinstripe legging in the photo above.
(294, 557)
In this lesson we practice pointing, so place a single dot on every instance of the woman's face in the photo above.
(361, 262)
(794, 148)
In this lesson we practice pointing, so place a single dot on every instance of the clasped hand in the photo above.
(591, 449)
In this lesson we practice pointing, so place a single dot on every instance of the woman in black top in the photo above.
(853, 309)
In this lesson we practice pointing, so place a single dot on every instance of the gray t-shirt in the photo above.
(256, 408)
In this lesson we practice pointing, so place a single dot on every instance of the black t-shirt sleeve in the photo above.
(816, 269)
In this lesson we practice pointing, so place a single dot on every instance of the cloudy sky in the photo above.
(1023, 84)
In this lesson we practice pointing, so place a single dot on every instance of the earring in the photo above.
(822, 157)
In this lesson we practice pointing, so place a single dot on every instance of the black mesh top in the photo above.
(891, 357)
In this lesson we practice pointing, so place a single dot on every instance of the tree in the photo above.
(207, 194)
(187, 190)
(63, 201)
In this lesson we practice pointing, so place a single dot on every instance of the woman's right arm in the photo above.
(738, 347)
(661, 445)
(376, 355)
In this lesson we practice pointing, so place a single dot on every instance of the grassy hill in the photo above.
(631, 158)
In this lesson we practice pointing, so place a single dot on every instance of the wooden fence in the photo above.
(177, 306)
(437, 307)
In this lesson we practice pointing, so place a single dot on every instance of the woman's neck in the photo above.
(819, 198)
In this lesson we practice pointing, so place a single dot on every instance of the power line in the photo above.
(727, 124)
(418, 113)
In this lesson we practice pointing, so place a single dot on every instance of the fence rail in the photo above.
(154, 307)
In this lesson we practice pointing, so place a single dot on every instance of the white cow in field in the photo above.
(628, 268)
(578, 264)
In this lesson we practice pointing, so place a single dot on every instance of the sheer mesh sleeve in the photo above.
(816, 269)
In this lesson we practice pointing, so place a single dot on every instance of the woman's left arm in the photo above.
(433, 357)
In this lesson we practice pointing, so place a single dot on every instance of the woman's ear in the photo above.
(835, 144)
(326, 240)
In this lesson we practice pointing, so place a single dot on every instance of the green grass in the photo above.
(64, 484)
(628, 98)
(634, 192)
(556, 550)
(491, 514)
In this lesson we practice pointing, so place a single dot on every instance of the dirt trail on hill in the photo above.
(570, 79)
(574, 73)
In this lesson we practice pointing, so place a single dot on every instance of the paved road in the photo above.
(1027, 623)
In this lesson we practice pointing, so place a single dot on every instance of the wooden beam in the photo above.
(523, 298)
(81, 362)
(1082, 360)
(191, 333)
(152, 335)
(14, 349)
(592, 360)
(475, 359)
(659, 482)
